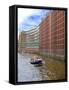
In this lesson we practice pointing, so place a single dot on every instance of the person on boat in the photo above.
(36, 59)
(39, 58)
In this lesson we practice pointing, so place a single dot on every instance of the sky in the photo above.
(28, 18)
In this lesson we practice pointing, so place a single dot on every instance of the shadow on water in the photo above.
(52, 69)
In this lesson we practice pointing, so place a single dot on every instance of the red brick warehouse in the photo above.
(51, 34)
(21, 41)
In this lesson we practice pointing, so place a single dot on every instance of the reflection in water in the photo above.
(50, 70)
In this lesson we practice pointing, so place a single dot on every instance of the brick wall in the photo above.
(52, 33)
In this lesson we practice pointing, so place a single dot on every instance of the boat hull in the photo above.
(36, 62)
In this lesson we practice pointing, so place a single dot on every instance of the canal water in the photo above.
(50, 70)
(27, 71)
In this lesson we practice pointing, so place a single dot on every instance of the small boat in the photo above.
(36, 61)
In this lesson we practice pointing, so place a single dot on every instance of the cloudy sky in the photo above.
(28, 18)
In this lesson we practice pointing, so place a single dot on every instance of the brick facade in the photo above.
(21, 41)
(52, 33)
